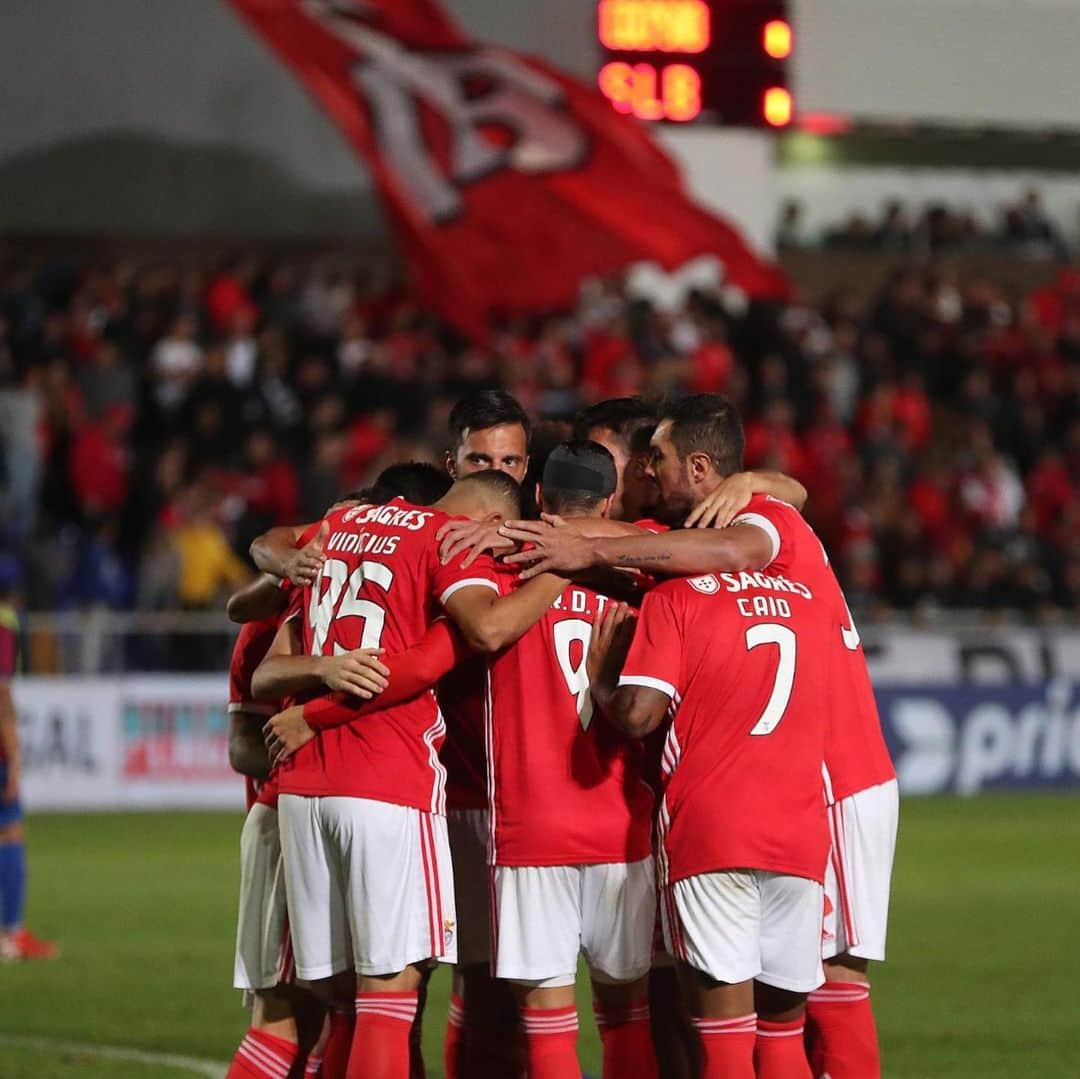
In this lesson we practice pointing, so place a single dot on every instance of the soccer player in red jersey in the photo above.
(860, 781)
(571, 821)
(369, 884)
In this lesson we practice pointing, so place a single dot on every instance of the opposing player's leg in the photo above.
(483, 1035)
(618, 918)
(536, 935)
(16, 941)
(843, 1034)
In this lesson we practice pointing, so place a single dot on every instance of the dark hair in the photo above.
(622, 415)
(415, 481)
(707, 423)
(500, 485)
(578, 476)
(479, 411)
(641, 439)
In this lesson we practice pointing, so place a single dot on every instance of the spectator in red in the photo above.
(100, 462)
(712, 362)
(227, 297)
(771, 442)
(270, 487)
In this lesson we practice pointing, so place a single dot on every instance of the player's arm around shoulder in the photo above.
(490, 622)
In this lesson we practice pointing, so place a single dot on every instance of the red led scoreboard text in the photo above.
(681, 60)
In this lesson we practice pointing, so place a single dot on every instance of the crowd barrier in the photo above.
(963, 713)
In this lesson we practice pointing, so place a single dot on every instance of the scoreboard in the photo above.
(718, 61)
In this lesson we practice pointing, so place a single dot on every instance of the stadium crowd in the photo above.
(157, 417)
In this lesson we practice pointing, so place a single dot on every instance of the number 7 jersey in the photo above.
(744, 659)
(564, 788)
(380, 587)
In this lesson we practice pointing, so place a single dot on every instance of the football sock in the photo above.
(551, 1042)
(727, 1046)
(12, 885)
(336, 1051)
(626, 1034)
(263, 1056)
(380, 1045)
(454, 1045)
(780, 1052)
(312, 1066)
(845, 1032)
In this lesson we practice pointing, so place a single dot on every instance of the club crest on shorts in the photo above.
(708, 585)
(448, 931)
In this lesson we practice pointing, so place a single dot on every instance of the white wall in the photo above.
(1007, 62)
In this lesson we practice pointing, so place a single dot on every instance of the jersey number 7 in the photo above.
(786, 641)
(341, 600)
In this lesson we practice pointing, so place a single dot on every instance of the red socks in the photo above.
(380, 1044)
(626, 1034)
(780, 1052)
(453, 1047)
(336, 1051)
(842, 1020)
(727, 1046)
(551, 1042)
(263, 1056)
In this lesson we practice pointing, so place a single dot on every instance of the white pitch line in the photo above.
(212, 1069)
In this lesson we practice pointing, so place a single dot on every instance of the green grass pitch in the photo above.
(985, 944)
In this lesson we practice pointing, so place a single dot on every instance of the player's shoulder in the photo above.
(678, 591)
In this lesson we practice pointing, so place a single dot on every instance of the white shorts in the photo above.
(739, 924)
(544, 916)
(468, 833)
(859, 873)
(263, 947)
(369, 885)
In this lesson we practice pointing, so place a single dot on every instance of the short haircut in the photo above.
(578, 476)
(498, 486)
(707, 423)
(487, 408)
(415, 481)
(622, 415)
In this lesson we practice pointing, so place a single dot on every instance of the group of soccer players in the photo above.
(621, 713)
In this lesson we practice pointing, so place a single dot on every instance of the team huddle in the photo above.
(616, 711)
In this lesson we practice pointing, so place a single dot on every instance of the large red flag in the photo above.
(507, 181)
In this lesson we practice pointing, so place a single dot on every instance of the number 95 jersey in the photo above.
(380, 587)
(564, 788)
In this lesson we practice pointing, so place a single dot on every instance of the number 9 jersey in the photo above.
(380, 587)
(564, 788)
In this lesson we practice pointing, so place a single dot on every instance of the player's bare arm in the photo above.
(637, 710)
(9, 744)
(675, 554)
(276, 552)
(719, 509)
(258, 599)
(285, 671)
(489, 621)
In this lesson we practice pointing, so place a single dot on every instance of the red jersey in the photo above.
(743, 659)
(252, 643)
(461, 696)
(563, 788)
(856, 756)
(380, 587)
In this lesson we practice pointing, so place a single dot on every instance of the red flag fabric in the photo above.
(507, 181)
